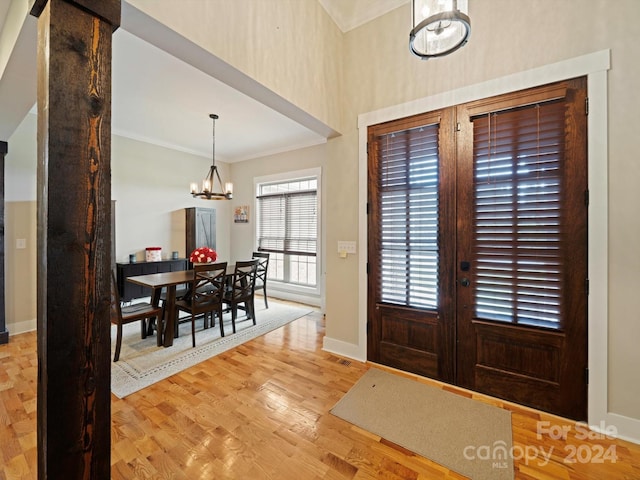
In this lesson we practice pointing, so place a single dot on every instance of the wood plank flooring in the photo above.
(261, 411)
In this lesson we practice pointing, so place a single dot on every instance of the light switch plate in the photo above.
(346, 246)
(21, 243)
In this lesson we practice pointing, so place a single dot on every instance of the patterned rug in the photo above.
(143, 363)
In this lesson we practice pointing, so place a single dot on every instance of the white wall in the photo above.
(151, 187)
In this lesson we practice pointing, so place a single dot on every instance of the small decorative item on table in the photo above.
(153, 254)
(203, 255)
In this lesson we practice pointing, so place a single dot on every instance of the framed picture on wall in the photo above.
(241, 214)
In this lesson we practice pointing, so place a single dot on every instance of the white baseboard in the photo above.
(344, 349)
(625, 428)
(22, 327)
(291, 297)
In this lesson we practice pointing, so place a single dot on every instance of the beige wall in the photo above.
(20, 266)
(20, 223)
(244, 175)
(292, 47)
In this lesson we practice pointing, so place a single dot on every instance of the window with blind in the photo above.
(288, 229)
(518, 189)
(409, 217)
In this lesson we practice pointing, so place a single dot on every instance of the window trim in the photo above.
(287, 291)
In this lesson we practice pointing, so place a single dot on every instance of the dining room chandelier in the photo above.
(439, 27)
(208, 184)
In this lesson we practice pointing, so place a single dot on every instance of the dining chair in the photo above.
(205, 295)
(241, 289)
(261, 274)
(138, 311)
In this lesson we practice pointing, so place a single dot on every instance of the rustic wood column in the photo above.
(74, 211)
(4, 333)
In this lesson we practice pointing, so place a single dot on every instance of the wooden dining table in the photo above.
(170, 281)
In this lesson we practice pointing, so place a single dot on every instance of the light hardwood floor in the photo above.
(261, 411)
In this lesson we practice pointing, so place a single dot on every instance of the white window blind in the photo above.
(288, 228)
(409, 217)
(518, 190)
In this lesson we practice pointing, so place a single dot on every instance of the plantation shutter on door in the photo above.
(518, 188)
(408, 202)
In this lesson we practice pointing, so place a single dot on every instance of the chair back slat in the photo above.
(262, 268)
(244, 279)
(262, 273)
(208, 284)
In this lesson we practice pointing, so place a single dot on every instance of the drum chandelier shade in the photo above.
(439, 27)
(208, 189)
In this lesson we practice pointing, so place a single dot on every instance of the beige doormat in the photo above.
(143, 363)
(464, 435)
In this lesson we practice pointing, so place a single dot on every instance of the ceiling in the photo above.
(173, 109)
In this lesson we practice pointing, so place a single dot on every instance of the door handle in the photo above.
(465, 282)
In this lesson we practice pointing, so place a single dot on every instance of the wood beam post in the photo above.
(74, 210)
(4, 333)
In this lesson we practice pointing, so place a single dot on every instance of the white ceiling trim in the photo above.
(350, 14)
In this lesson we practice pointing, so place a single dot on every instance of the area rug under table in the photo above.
(143, 363)
(467, 436)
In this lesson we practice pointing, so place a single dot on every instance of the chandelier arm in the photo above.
(215, 169)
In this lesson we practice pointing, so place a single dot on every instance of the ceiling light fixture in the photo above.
(207, 191)
(439, 27)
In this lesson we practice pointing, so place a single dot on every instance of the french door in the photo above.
(478, 246)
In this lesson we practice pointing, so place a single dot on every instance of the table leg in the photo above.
(170, 315)
(155, 301)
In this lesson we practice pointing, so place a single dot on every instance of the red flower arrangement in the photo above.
(203, 255)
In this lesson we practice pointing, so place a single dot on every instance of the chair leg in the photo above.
(151, 322)
(116, 355)
(253, 309)
(193, 330)
(234, 313)
(264, 295)
(219, 311)
(143, 328)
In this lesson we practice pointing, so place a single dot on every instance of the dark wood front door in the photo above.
(478, 246)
